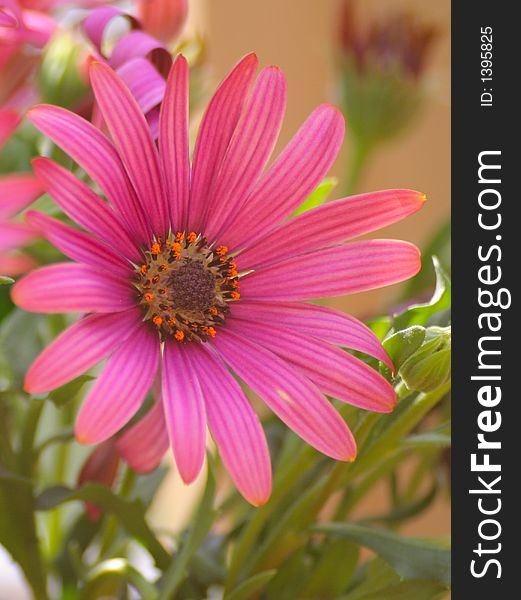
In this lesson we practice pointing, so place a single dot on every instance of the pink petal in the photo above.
(298, 170)
(121, 388)
(335, 372)
(97, 21)
(184, 411)
(249, 150)
(82, 205)
(17, 191)
(139, 44)
(289, 394)
(143, 445)
(79, 348)
(152, 118)
(80, 246)
(38, 29)
(7, 20)
(14, 264)
(15, 235)
(347, 269)
(70, 287)
(215, 133)
(317, 321)
(87, 146)
(235, 427)
(174, 145)
(144, 81)
(330, 224)
(9, 121)
(134, 142)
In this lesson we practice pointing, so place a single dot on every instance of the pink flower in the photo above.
(22, 34)
(163, 19)
(191, 271)
(17, 191)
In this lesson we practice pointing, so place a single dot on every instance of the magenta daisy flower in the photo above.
(191, 275)
(17, 191)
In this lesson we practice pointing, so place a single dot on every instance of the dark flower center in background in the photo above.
(184, 286)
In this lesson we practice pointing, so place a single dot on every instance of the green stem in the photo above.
(60, 470)
(358, 159)
(409, 418)
(111, 528)
(18, 531)
(284, 480)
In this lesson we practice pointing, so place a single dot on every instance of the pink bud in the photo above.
(100, 467)
(163, 19)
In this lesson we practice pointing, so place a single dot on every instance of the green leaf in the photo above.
(380, 326)
(406, 510)
(439, 246)
(318, 196)
(411, 558)
(436, 438)
(370, 578)
(247, 589)
(111, 575)
(66, 393)
(9, 476)
(327, 580)
(4, 280)
(147, 485)
(130, 513)
(419, 314)
(18, 532)
(202, 522)
(291, 576)
(402, 344)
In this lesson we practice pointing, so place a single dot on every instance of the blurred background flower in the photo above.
(381, 66)
(17, 191)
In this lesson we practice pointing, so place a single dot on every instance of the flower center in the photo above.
(184, 286)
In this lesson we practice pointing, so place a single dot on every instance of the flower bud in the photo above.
(381, 66)
(60, 77)
(163, 19)
(100, 467)
(430, 366)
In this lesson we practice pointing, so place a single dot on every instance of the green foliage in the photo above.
(420, 314)
(130, 513)
(318, 196)
(410, 558)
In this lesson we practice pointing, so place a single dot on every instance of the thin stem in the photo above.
(358, 159)
(111, 528)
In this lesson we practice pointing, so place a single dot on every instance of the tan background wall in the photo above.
(299, 36)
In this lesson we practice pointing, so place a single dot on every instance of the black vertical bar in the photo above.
(484, 121)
